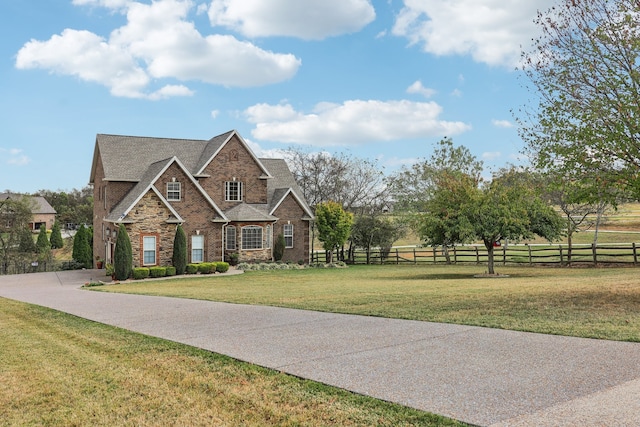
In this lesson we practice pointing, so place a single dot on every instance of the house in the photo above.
(226, 199)
(43, 213)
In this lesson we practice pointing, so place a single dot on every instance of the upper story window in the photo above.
(252, 237)
(288, 235)
(233, 191)
(173, 191)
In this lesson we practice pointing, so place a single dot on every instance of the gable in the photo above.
(232, 149)
(289, 205)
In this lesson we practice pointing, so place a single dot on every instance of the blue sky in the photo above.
(380, 79)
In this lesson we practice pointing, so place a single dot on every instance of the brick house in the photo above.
(43, 213)
(227, 200)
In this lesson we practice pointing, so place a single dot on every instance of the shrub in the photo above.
(179, 259)
(222, 267)
(122, 257)
(207, 267)
(192, 268)
(82, 251)
(56, 236)
(278, 247)
(140, 273)
(171, 270)
(157, 271)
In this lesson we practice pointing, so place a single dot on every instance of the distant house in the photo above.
(43, 212)
(227, 200)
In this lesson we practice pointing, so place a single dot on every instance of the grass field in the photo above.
(585, 302)
(60, 370)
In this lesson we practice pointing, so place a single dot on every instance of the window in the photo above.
(231, 238)
(268, 236)
(252, 237)
(233, 191)
(173, 191)
(288, 235)
(149, 250)
(197, 249)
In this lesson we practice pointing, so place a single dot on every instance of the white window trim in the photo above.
(235, 238)
(155, 250)
(227, 191)
(193, 247)
(289, 235)
(253, 227)
(178, 191)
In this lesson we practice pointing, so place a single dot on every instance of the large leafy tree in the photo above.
(376, 230)
(15, 215)
(584, 120)
(334, 226)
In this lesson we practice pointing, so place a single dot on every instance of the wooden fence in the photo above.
(621, 254)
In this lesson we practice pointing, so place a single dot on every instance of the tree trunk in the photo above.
(490, 263)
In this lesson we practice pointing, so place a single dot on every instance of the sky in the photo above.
(382, 80)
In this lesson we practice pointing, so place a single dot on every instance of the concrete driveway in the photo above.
(481, 376)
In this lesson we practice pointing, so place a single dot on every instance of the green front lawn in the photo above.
(585, 302)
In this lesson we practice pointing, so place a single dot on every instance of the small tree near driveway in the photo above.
(334, 226)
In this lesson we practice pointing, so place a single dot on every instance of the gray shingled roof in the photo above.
(125, 158)
(39, 204)
(249, 212)
(140, 159)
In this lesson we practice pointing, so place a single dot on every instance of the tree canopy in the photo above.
(334, 226)
(584, 120)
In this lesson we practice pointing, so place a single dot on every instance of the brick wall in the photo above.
(290, 212)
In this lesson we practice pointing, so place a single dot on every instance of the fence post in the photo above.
(561, 256)
(397, 257)
(455, 255)
(635, 255)
(595, 254)
(435, 248)
(530, 259)
(504, 254)
(415, 260)
(477, 255)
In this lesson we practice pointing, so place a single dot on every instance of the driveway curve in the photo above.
(486, 377)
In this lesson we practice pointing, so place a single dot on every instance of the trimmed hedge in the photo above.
(140, 273)
(192, 268)
(157, 271)
(171, 270)
(207, 267)
(222, 267)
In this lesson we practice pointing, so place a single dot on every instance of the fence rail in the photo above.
(621, 253)
(22, 267)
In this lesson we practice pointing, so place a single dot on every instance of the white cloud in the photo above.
(158, 42)
(502, 123)
(215, 114)
(456, 93)
(491, 31)
(266, 154)
(305, 19)
(350, 123)
(14, 156)
(418, 88)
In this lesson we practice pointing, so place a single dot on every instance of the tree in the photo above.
(15, 215)
(75, 206)
(122, 257)
(334, 226)
(375, 230)
(26, 245)
(43, 245)
(506, 209)
(56, 236)
(278, 247)
(179, 258)
(413, 186)
(585, 122)
(82, 251)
